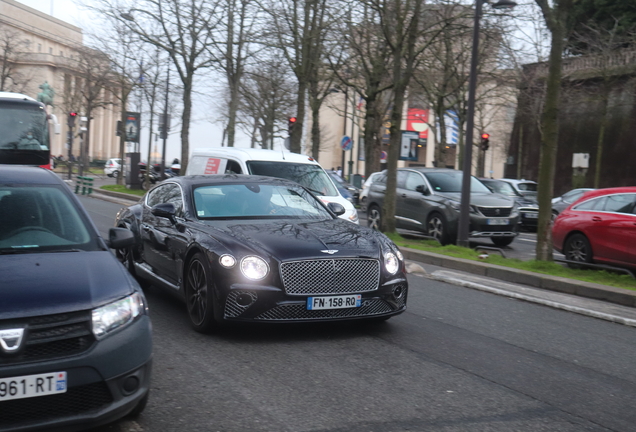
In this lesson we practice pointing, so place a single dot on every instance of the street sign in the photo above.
(346, 143)
(383, 156)
(132, 126)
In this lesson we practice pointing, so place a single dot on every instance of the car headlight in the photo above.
(399, 255)
(353, 217)
(117, 314)
(391, 263)
(254, 268)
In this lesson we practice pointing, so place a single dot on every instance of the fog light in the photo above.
(244, 299)
(131, 384)
(398, 291)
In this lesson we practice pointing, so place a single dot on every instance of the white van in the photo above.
(292, 166)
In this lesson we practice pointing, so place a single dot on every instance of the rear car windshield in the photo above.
(40, 218)
(501, 187)
(313, 177)
(452, 182)
(527, 187)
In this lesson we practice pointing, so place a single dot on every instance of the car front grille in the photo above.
(76, 401)
(50, 337)
(300, 312)
(330, 276)
(495, 211)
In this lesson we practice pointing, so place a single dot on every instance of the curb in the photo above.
(552, 283)
(120, 195)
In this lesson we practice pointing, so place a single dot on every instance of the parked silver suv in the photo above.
(428, 200)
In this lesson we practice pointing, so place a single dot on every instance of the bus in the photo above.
(25, 132)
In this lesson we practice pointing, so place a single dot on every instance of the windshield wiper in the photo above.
(317, 192)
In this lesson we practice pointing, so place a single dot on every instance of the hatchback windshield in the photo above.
(313, 177)
(452, 182)
(253, 200)
(40, 218)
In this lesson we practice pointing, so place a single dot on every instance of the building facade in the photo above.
(38, 50)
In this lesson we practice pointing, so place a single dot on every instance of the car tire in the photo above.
(577, 248)
(437, 228)
(115, 174)
(200, 294)
(140, 407)
(374, 217)
(502, 241)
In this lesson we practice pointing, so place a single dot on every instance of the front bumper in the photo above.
(104, 384)
(480, 227)
(256, 303)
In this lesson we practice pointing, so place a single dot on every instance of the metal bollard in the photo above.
(89, 185)
(79, 183)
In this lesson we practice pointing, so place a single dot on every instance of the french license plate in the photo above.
(334, 302)
(532, 215)
(28, 386)
(498, 221)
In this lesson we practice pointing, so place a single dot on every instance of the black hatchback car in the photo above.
(75, 336)
(428, 200)
(262, 250)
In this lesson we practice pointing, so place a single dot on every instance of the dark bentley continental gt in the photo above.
(260, 249)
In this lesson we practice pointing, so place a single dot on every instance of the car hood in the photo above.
(50, 283)
(481, 199)
(285, 240)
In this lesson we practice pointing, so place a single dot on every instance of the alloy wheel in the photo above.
(436, 228)
(197, 293)
(374, 218)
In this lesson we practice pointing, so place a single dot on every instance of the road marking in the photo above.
(528, 240)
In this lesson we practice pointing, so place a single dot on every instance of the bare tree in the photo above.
(556, 17)
(12, 47)
(181, 28)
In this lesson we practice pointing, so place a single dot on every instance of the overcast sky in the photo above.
(203, 133)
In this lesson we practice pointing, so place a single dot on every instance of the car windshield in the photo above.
(452, 182)
(502, 188)
(40, 218)
(24, 134)
(253, 200)
(313, 177)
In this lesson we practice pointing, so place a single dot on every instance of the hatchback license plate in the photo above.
(532, 215)
(28, 386)
(334, 302)
(498, 221)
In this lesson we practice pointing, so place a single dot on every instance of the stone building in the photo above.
(36, 48)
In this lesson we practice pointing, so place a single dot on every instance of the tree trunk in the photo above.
(297, 131)
(372, 126)
(601, 137)
(185, 123)
(547, 162)
(388, 221)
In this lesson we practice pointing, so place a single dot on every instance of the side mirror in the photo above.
(421, 189)
(119, 238)
(336, 208)
(164, 210)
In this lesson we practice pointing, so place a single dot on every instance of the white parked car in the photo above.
(112, 167)
(527, 188)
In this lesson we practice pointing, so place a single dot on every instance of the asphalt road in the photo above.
(457, 360)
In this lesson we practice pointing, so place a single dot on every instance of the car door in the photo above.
(164, 241)
(615, 229)
(415, 206)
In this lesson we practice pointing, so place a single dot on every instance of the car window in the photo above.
(312, 176)
(620, 203)
(166, 193)
(401, 179)
(41, 218)
(452, 182)
(413, 180)
(233, 167)
(501, 187)
(527, 187)
(593, 204)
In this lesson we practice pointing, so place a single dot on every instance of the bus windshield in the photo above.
(24, 133)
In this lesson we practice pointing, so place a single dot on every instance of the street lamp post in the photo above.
(464, 209)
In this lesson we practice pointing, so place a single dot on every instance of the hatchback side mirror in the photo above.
(165, 210)
(421, 189)
(120, 238)
(336, 208)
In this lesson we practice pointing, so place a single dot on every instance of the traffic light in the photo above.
(291, 122)
(485, 141)
(71, 119)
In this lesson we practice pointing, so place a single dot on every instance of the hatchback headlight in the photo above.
(254, 268)
(117, 314)
(391, 263)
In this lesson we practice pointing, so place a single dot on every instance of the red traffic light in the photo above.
(485, 136)
(73, 114)
(292, 119)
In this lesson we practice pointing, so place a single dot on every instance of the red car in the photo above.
(600, 227)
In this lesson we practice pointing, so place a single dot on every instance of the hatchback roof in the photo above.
(246, 154)
(27, 175)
